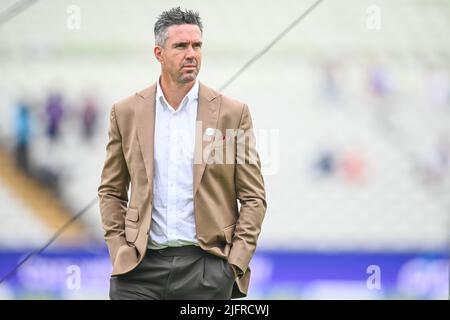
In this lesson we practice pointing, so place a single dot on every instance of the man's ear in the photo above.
(157, 50)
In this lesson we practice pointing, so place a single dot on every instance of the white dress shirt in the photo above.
(173, 220)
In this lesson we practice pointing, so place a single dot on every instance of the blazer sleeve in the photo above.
(113, 190)
(250, 192)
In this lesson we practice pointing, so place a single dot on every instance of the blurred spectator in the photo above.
(381, 89)
(54, 113)
(353, 166)
(330, 89)
(22, 133)
(380, 82)
(434, 163)
(439, 88)
(348, 166)
(325, 163)
(89, 116)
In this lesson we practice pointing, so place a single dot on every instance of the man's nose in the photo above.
(190, 52)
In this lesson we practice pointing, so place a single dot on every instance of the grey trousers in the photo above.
(175, 274)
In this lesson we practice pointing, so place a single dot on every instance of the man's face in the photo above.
(181, 55)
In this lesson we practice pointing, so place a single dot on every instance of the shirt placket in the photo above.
(171, 201)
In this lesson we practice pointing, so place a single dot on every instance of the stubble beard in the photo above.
(188, 77)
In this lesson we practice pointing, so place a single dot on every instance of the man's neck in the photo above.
(174, 92)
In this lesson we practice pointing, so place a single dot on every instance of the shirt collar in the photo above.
(191, 96)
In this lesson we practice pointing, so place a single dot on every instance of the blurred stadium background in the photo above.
(352, 116)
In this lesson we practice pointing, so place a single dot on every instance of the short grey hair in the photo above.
(174, 16)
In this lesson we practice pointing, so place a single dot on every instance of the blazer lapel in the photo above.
(145, 122)
(207, 116)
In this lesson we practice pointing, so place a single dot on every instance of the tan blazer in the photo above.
(222, 228)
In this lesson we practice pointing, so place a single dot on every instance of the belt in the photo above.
(178, 251)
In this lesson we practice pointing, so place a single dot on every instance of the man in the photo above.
(181, 235)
